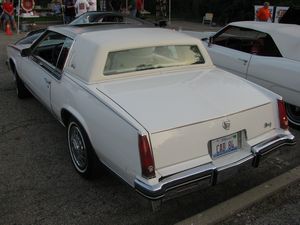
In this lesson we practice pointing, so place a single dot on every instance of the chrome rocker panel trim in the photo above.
(208, 175)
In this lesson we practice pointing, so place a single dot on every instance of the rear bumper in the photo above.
(208, 175)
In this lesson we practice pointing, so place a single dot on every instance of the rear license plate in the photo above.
(225, 145)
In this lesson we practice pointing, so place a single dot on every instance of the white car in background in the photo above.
(265, 53)
(155, 111)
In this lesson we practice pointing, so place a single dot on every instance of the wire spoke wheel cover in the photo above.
(77, 147)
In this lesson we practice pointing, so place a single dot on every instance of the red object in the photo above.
(284, 123)
(27, 5)
(146, 156)
(7, 29)
(139, 5)
(8, 7)
(264, 14)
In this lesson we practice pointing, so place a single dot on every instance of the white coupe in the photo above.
(149, 103)
(265, 53)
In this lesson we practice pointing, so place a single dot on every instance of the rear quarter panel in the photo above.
(280, 75)
(115, 140)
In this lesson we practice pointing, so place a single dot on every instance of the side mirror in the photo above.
(26, 52)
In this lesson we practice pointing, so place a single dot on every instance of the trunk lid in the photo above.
(164, 102)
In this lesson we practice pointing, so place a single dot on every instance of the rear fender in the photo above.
(72, 112)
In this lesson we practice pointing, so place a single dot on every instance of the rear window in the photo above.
(149, 58)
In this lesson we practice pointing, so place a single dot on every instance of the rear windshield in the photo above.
(152, 58)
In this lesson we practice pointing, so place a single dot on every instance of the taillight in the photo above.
(146, 156)
(284, 123)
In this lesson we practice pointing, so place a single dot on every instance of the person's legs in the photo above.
(66, 19)
(12, 22)
(4, 20)
(133, 13)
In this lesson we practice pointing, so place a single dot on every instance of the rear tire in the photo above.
(22, 91)
(293, 114)
(80, 148)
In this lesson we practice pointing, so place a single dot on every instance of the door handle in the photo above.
(245, 61)
(47, 81)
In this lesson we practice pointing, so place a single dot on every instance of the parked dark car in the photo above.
(93, 18)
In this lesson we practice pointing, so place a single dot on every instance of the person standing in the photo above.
(81, 6)
(132, 8)
(139, 8)
(8, 14)
(56, 9)
(264, 14)
(69, 11)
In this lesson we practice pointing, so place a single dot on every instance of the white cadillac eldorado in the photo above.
(265, 53)
(149, 103)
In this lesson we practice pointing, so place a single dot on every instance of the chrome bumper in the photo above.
(208, 175)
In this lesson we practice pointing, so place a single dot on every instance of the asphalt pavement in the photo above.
(38, 184)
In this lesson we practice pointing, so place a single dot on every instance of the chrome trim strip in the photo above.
(270, 145)
(209, 173)
(287, 139)
(177, 180)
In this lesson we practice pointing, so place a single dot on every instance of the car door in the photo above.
(230, 49)
(271, 70)
(40, 69)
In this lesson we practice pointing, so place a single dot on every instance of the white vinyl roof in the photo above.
(286, 36)
(89, 52)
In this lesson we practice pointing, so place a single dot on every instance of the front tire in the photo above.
(80, 148)
(293, 114)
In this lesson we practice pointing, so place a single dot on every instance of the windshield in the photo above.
(152, 58)
(29, 39)
(107, 17)
(97, 18)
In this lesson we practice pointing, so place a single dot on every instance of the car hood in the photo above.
(166, 101)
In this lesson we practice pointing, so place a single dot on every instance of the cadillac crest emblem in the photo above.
(226, 124)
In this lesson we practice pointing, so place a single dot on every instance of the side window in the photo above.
(247, 40)
(49, 47)
(64, 53)
(112, 18)
(265, 46)
(237, 38)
